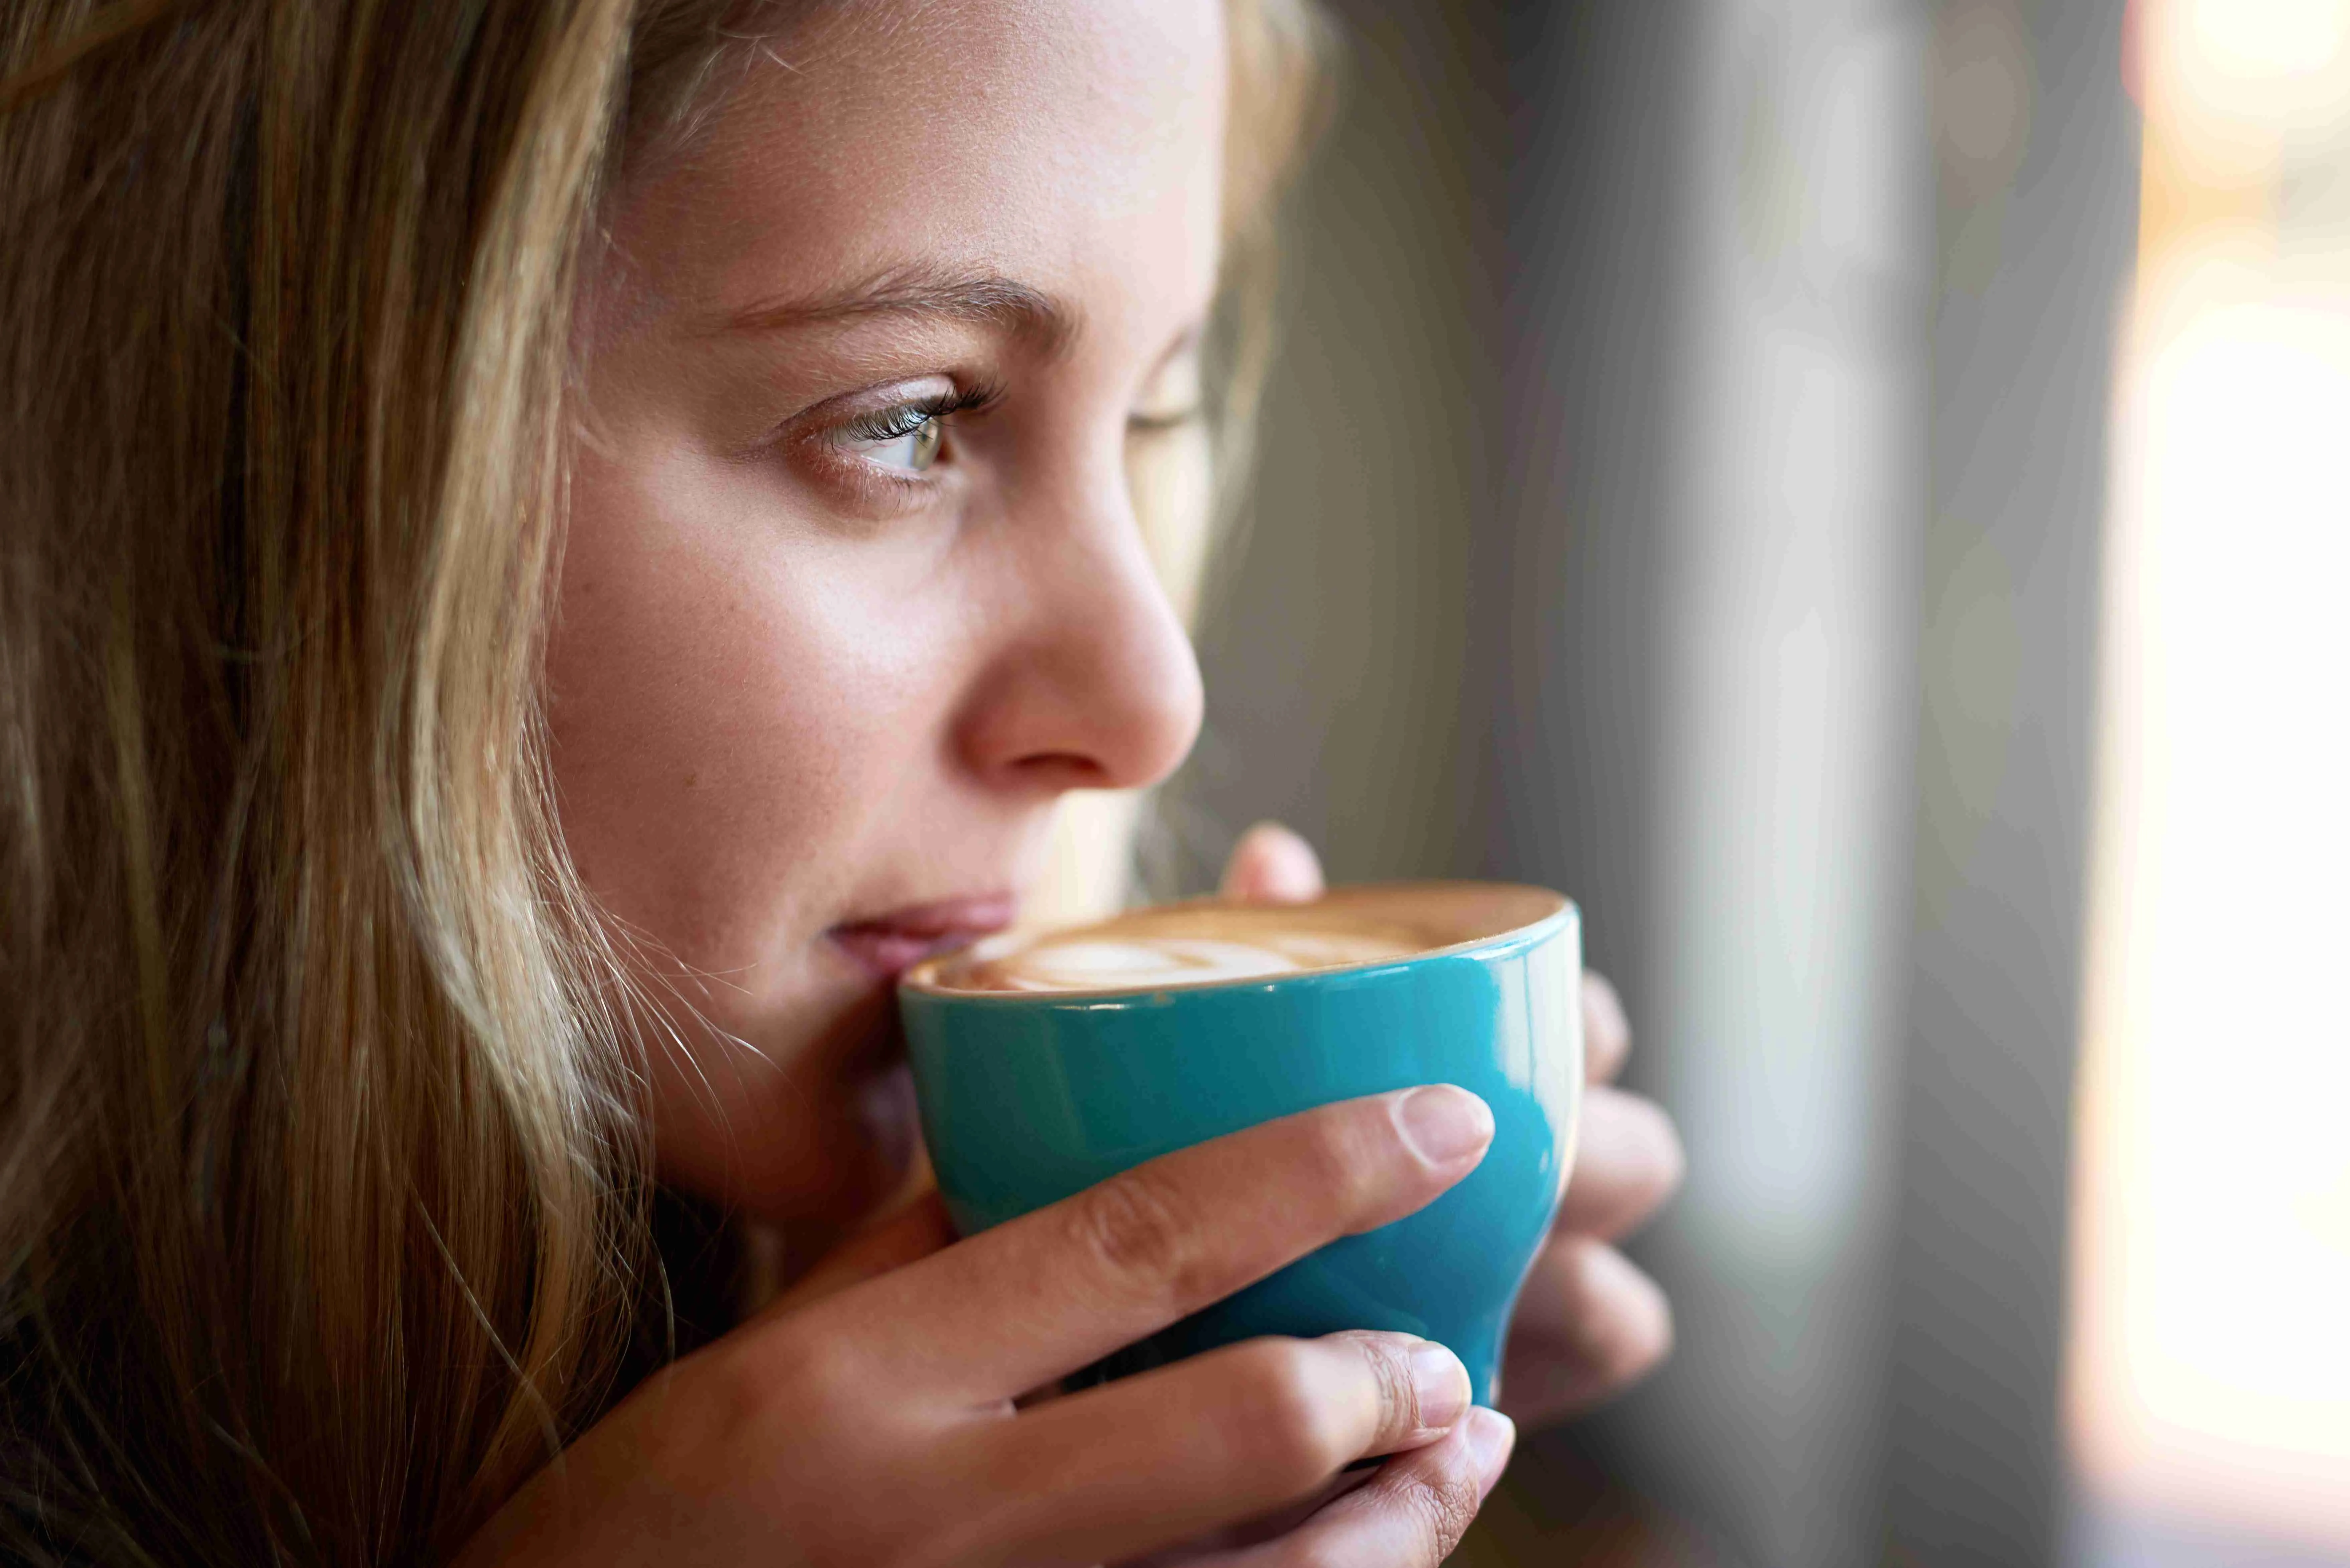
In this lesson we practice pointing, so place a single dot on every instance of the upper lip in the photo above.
(900, 938)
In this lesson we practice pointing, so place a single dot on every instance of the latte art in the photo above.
(1099, 961)
(1212, 942)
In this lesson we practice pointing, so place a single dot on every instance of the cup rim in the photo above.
(919, 980)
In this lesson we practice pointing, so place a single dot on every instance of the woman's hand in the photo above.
(869, 1417)
(1588, 1323)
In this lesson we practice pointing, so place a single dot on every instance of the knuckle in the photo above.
(1672, 1159)
(1659, 1343)
(1138, 1227)
(1333, 1156)
(1630, 1164)
(1284, 1414)
(785, 1380)
(1642, 1337)
(1391, 1379)
(735, 1399)
(1657, 1145)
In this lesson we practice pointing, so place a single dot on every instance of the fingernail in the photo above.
(1440, 1383)
(1491, 1435)
(1444, 1125)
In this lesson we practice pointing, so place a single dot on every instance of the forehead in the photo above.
(1054, 141)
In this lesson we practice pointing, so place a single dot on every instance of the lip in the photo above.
(886, 945)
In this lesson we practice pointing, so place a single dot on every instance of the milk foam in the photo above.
(1211, 942)
(1183, 947)
(1096, 963)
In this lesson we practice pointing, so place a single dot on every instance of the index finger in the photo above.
(1039, 1296)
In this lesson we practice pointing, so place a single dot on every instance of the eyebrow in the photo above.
(987, 299)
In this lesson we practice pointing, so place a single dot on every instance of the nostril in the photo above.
(1064, 770)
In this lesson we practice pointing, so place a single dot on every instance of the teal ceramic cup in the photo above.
(1028, 1097)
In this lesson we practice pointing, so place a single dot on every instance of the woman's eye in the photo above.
(1171, 398)
(907, 438)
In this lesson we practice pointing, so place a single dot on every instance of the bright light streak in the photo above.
(2211, 1371)
(2231, 75)
(2268, 38)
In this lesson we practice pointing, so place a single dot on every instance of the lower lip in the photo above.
(886, 955)
(886, 949)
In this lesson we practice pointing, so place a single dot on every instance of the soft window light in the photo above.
(2209, 1376)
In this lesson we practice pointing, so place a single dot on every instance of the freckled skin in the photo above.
(779, 704)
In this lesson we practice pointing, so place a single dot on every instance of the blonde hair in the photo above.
(323, 1188)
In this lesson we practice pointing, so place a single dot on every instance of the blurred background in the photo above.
(1853, 491)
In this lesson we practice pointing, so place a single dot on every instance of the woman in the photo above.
(553, 546)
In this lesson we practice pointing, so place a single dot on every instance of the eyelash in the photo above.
(901, 419)
(871, 487)
(1160, 424)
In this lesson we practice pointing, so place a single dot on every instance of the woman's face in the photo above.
(853, 589)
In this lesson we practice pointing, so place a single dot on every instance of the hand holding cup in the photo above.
(870, 1416)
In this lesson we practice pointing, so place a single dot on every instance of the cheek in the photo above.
(727, 721)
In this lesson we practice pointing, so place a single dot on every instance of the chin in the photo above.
(810, 1130)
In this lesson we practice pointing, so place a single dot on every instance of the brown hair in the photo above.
(323, 1191)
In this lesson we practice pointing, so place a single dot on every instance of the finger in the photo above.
(1271, 865)
(1032, 1299)
(1589, 1325)
(1410, 1516)
(1607, 1032)
(1628, 1161)
(912, 1233)
(1193, 1549)
(1212, 1441)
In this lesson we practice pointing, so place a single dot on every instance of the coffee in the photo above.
(1046, 1064)
(1194, 947)
(1213, 941)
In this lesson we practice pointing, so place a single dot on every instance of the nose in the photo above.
(1088, 680)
